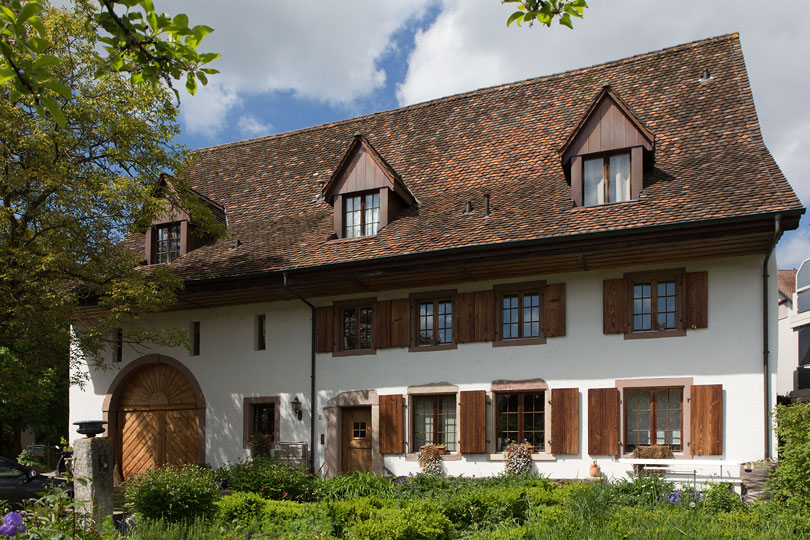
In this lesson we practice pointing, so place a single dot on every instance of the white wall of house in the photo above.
(728, 352)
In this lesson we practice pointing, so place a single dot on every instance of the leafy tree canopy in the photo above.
(545, 11)
(73, 184)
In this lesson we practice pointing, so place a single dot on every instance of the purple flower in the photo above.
(12, 524)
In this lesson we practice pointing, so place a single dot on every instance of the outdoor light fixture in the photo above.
(296, 407)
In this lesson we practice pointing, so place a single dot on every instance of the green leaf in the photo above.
(565, 20)
(191, 84)
(46, 61)
(203, 79)
(516, 16)
(38, 26)
(180, 20)
(54, 109)
(59, 88)
(6, 73)
(29, 10)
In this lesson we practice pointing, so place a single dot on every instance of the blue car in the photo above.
(18, 482)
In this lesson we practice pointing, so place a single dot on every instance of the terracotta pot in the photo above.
(531, 448)
(596, 472)
(442, 450)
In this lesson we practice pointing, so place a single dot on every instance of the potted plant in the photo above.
(430, 460)
(440, 448)
(653, 451)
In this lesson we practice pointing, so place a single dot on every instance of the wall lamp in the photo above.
(296, 407)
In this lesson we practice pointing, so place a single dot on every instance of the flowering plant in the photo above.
(12, 524)
(519, 458)
(430, 460)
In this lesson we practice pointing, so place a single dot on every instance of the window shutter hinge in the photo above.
(688, 399)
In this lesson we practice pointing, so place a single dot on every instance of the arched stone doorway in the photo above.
(156, 415)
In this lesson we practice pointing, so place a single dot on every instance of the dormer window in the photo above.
(362, 215)
(606, 179)
(366, 192)
(165, 243)
(604, 155)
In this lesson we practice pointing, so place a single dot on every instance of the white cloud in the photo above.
(206, 111)
(793, 250)
(326, 51)
(250, 126)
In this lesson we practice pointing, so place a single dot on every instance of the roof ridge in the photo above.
(478, 91)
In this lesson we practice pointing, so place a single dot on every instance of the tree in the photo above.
(149, 46)
(70, 191)
(545, 11)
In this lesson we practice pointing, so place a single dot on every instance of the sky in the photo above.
(290, 65)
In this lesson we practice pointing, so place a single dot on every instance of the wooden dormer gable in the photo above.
(607, 125)
(363, 171)
(608, 128)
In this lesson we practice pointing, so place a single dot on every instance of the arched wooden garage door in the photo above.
(158, 420)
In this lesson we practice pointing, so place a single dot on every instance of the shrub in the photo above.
(477, 508)
(721, 497)
(240, 507)
(260, 445)
(640, 490)
(280, 512)
(790, 482)
(414, 522)
(358, 484)
(28, 460)
(518, 459)
(191, 530)
(430, 461)
(173, 493)
(271, 480)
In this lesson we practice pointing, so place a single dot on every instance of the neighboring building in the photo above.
(788, 339)
(575, 260)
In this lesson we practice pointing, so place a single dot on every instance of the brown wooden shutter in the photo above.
(565, 421)
(401, 322)
(636, 172)
(391, 432)
(324, 326)
(614, 304)
(603, 421)
(554, 310)
(465, 317)
(697, 299)
(484, 316)
(707, 420)
(576, 180)
(473, 422)
(382, 324)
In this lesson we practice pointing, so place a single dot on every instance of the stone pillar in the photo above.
(93, 477)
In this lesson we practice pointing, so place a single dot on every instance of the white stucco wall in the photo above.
(728, 352)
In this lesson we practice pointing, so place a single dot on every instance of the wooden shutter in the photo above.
(603, 421)
(565, 421)
(401, 322)
(614, 304)
(473, 422)
(382, 324)
(707, 420)
(697, 299)
(391, 432)
(465, 317)
(324, 327)
(484, 316)
(554, 313)
(636, 172)
(576, 180)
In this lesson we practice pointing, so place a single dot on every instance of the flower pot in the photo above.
(531, 448)
(596, 472)
(442, 450)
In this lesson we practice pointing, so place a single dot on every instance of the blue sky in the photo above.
(287, 65)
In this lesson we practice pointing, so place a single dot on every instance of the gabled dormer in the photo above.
(173, 233)
(605, 153)
(365, 191)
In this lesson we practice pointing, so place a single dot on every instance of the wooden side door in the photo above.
(139, 441)
(356, 439)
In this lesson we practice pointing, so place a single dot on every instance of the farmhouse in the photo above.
(581, 261)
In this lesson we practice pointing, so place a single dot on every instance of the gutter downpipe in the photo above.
(311, 377)
(777, 232)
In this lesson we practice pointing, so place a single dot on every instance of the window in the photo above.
(195, 338)
(261, 417)
(520, 416)
(361, 216)
(165, 243)
(119, 345)
(520, 313)
(261, 332)
(434, 421)
(606, 179)
(433, 322)
(655, 301)
(653, 416)
(358, 328)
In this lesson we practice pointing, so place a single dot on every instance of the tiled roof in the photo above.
(787, 282)
(710, 162)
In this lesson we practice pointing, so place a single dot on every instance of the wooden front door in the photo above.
(158, 420)
(356, 439)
